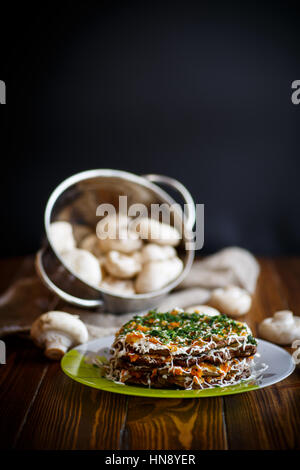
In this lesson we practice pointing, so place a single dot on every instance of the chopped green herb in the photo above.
(184, 327)
(251, 340)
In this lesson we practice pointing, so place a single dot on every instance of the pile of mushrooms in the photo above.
(117, 258)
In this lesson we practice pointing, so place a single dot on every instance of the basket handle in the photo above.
(181, 189)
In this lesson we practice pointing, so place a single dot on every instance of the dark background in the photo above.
(200, 91)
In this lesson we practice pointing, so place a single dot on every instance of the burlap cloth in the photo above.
(27, 297)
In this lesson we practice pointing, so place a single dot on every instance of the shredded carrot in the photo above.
(133, 337)
(225, 367)
(153, 340)
(133, 357)
(196, 371)
(177, 371)
(142, 328)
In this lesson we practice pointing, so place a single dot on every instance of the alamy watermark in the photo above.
(165, 223)
(2, 92)
(295, 97)
(2, 352)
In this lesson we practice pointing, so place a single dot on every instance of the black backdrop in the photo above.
(200, 91)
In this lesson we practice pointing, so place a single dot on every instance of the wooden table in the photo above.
(41, 408)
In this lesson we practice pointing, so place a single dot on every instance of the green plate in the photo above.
(79, 365)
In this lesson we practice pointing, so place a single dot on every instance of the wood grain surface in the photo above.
(41, 408)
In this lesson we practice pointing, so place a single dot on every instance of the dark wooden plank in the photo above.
(20, 379)
(41, 408)
(8, 269)
(288, 270)
(68, 415)
(23, 372)
(266, 419)
(174, 424)
(269, 295)
(262, 419)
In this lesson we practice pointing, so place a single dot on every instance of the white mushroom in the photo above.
(153, 230)
(61, 236)
(129, 243)
(80, 232)
(101, 261)
(296, 353)
(114, 234)
(91, 244)
(84, 265)
(56, 332)
(111, 226)
(137, 255)
(205, 309)
(121, 266)
(282, 328)
(296, 356)
(157, 274)
(153, 252)
(118, 286)
(231, 300)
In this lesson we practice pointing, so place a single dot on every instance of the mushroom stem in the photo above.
(57, 346)
(57, 331)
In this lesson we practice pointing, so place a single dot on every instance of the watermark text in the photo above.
(2, 92)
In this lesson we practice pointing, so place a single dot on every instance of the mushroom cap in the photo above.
(61, 323)
(112, 225)
(113, 221)
(83, 264)
(91, 244)
(231, 300)
(121, 265)
(61, 236)
(296, 353)
(205, 309)
(118, 286)
(154, 252)
(157, 274)
(80, 232)
(128, 242)
(283, 328)
(285, 316)
(160, 233)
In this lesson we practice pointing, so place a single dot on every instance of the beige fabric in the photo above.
(231, 266)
